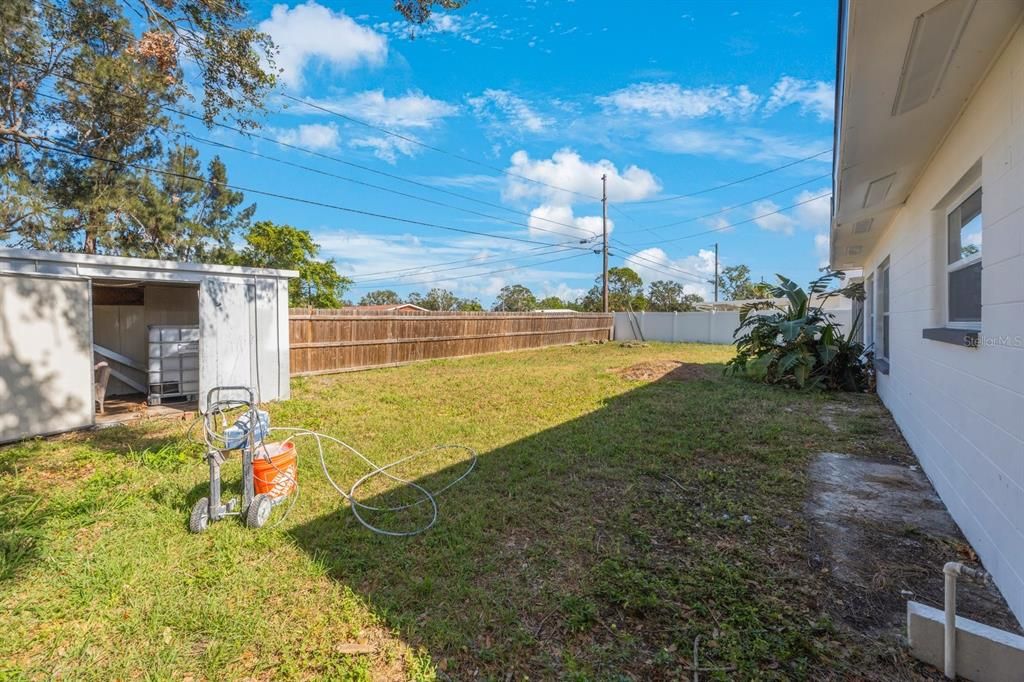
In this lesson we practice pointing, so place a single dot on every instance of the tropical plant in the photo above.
(800, 343)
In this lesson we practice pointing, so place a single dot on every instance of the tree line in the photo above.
(625, 292)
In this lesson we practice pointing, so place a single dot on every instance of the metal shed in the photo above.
(61, 313)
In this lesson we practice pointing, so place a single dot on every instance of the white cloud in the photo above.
(358, 254)
(813, 97)
(470, 27)
(719, 223)
(691, 271)
(562, 181)
(749, 144)
(403, 114)
(516, 113)
(765, 217)
(703, 143)
(562, 290)
(471, 181)
(314, 136)
(411, 110)
(568, 171)
(385, 147)
(313, 32)
(821, 248)
(817, 217)
(817, 214)
(548, 218)
(670, 100)
(364, 257)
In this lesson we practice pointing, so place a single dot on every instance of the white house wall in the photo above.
(962, 409)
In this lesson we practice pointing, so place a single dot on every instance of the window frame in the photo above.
(869, 312)
(960, 263)
(881, 313)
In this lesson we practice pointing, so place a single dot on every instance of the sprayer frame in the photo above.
(254, 508)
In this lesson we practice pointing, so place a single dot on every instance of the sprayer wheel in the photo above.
(259, 511)
(199, 521)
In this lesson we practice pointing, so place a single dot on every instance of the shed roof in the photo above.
(120, 267)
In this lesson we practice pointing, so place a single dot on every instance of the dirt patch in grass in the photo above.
(665, 370)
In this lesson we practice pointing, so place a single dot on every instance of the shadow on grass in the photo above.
(605, 545)
(30, 502)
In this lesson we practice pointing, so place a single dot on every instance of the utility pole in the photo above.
(716, 272)
(604, 230)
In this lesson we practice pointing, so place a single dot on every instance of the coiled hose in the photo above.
(215, 440)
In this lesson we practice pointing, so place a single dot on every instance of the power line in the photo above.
(740, 222)
(424, 271)
(420, 269)
(657, 267)
(433, 188)
(735, 206)
(360, 182)
(432, 265)
(379, 187)
(466, 159)
(413, 140)
(301, 200)
(477, 274)
(692, 275)
(734, 182)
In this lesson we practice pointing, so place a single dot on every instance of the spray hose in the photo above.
(215, 440)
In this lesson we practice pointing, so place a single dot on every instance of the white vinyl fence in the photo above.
(700, 327)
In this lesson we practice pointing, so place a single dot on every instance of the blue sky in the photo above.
(666, 98)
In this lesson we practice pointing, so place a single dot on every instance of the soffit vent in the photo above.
(933, 42)
(863, 226)
(878, 190)
(854, 250)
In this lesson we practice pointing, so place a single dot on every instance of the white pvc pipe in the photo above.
(952, 571)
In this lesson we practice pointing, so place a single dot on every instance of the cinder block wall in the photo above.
(962, 409)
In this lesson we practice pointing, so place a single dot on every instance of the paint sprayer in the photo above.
(270, 469)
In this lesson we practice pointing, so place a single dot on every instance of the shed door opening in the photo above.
(148, 336)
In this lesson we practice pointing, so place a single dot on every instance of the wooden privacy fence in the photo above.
(325, 341)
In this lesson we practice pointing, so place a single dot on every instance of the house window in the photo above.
(869, 311)
(882, 311)
(963, 268)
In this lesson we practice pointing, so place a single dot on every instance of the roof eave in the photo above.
(841, 32)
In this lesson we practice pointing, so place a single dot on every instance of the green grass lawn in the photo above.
(610, 521)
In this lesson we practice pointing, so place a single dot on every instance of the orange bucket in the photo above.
(275, 469)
